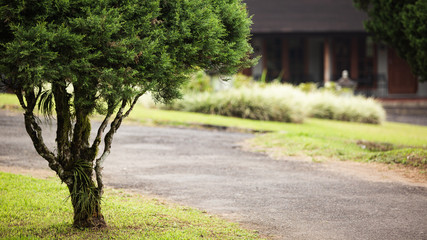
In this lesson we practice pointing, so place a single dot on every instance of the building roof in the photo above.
(305, 16)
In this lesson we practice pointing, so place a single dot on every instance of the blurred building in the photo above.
(316, 40)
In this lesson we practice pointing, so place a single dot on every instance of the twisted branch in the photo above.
(35, 132)
(115, 124)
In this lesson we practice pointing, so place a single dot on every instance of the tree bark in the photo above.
(85, 217)
(63, 119)
(86, 201)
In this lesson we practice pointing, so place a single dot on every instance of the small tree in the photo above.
(401, 25)
(71, 59)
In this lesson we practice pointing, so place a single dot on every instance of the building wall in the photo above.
(400, 78)
(316, 58)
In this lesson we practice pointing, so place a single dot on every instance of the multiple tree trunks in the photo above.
(75, 58)
(75, 161)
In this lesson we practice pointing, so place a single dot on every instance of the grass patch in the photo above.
(342, 148)
(9, 101)
(36, 209)
(415, 157)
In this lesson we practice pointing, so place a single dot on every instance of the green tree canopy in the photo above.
(401, 25)
(72, 58)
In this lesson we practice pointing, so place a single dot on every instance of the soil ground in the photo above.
(290, 198)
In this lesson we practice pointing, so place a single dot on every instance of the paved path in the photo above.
(283, 199)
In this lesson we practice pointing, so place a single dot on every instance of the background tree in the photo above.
(401, 25)
(74, 58)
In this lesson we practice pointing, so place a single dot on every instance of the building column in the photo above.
(285, 60)
(326, 61)
(354, 62)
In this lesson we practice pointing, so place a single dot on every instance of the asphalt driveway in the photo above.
(283, 199)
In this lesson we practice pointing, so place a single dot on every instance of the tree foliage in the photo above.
(401, 25)
(72, 58)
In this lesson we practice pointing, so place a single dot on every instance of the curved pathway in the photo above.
(283, 199)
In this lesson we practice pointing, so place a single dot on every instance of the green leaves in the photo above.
(401, 25)
(115, 49)
(28, 57)
(46, 103)
(102, 56)
(414, 19)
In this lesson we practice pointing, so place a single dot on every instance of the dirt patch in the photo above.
(375, 146)
(377, 172)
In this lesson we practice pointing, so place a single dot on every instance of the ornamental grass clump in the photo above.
(274, 102)
(350, 108)
(282, 102)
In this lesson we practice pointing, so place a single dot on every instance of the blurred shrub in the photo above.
(332, 87)
(199, 82)
(351, 108)
(241, 80)
(308, 87)
(272, 103)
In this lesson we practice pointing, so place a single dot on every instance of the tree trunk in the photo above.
(86, 201)
(83, 220)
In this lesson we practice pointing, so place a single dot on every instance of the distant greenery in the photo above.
(40, 215)
(9, 101)
(199, 82)
(402, 26)
(280, 102)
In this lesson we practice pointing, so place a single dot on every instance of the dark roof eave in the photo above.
(289, 16)
(320, 32)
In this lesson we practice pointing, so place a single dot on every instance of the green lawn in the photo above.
(39, 209)
(389, 142)
(396, 133)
